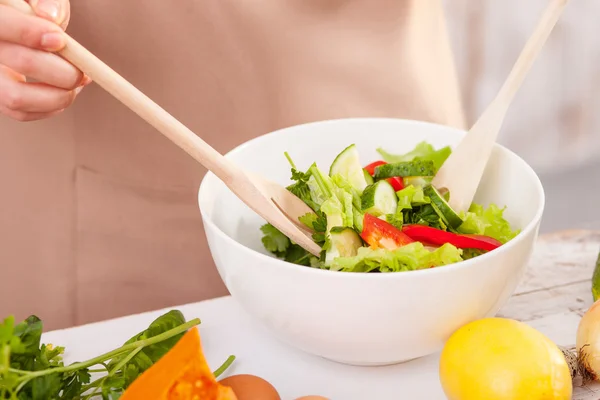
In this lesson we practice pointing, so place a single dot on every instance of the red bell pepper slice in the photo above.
(434, 236)
(486, 239)
(381, 234)
(371, 167)
(396, 182)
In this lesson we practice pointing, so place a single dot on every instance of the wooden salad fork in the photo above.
(270, 200)
(462, 171)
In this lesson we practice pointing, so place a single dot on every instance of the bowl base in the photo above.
(370, 364)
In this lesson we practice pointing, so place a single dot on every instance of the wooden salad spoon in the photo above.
(271, 201)
(462, 171)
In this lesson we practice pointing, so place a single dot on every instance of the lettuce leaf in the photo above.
(317, 194)
(472, 253)
(346, 200)
(334, 210)
(342, 183)
(487, 221)
(406, 258)
(321, 183)
(410, 197)
(422, 151)
(357, 215)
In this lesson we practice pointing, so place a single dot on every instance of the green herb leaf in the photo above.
(274, 240)
(297, 255)
(73, 383)
(114, 386)
(25, 344)
(279, 244)
(50, 356)
(302, 188)
(149, 355)
(29, 333)
(45, 387)
(309, 219)
(7, 328)
(318, 223)
(424, 215)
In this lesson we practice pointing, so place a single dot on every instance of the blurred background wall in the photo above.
(554, 121)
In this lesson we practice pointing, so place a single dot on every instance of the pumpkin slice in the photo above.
(181, 374)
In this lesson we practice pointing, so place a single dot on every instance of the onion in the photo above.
(572, 361)
(588, 343)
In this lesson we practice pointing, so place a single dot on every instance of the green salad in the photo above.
(386, 216)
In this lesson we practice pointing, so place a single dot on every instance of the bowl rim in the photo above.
(389, 275)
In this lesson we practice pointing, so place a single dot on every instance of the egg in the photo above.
(312, 398)
(250, 387)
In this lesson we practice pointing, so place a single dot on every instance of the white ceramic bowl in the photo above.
(359, 318)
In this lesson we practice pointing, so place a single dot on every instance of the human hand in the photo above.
(27, 44)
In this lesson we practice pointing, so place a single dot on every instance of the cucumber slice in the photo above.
(596, 280)
(442, 208)
(368, 177)
(412, 168)
(344, 242)
(347, 164)
(417, 181)
(445, 194)
(379, 199)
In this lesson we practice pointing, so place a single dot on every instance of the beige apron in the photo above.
(98, 213)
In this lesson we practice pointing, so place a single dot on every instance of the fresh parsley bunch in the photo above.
(30, 370)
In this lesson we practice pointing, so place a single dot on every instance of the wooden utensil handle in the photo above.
(530, 52)
(139, 103)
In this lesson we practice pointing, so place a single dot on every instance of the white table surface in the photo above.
(552, 297)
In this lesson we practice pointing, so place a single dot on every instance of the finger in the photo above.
(57, 11)
(29, 31)
(27, 117)
(34, 97)
(6, 72)
(40, 65)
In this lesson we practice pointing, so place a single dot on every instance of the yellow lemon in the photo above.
(503, 359)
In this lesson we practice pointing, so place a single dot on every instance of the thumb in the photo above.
(57, 11)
